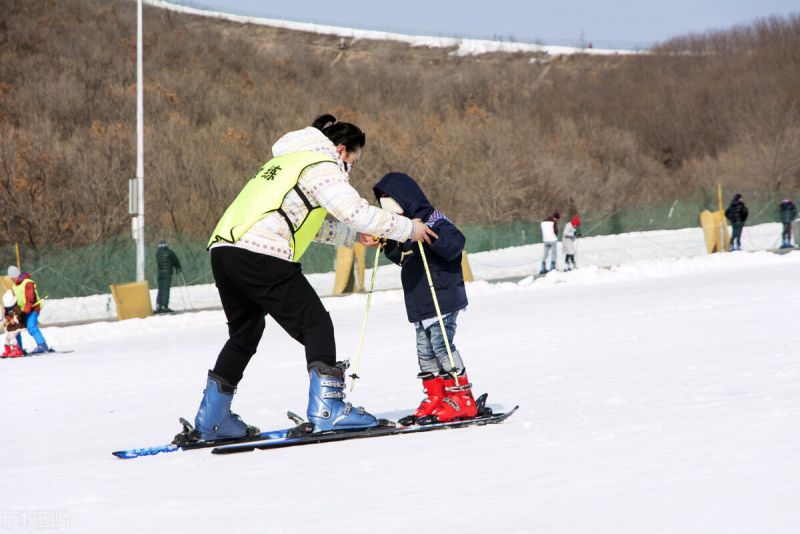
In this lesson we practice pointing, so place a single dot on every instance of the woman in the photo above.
(255, 253)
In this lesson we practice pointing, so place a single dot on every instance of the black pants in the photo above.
(786, 236)
(164, 283)
(736, 235)
(252, 286)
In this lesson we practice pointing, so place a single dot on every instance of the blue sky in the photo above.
(610, 23)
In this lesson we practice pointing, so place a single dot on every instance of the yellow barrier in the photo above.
(466, 268)
(715, 230)
(6, 283)
(348, 281)
(132, 300)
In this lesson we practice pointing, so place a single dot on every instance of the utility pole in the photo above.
(137, 190)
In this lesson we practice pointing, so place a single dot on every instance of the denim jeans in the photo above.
(431, 348)
(550, 249)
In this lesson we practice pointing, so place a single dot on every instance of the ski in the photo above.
(182, 443)
(310, 438)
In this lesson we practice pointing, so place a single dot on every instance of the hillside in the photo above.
(492, 137)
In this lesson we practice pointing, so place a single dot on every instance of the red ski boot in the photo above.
(16, 352)
(7, 352)
(433, 386)
(459, 402)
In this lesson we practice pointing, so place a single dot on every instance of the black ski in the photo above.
(293, 439)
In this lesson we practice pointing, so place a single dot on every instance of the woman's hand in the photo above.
(422, 232)
(368, 240)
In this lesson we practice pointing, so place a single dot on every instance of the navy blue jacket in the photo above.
(443, 255)
(788, 211)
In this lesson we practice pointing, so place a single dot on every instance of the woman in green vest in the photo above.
(255, 253)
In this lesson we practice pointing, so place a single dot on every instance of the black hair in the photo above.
(340, 133)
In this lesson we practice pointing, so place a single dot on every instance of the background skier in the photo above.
(166, 263)
(30, 303)
(569, 242)
(788, 212)
(255, 262)
(444, 400)
(550, 240)
(736, 215)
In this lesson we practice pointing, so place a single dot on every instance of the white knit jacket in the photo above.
(324, 184)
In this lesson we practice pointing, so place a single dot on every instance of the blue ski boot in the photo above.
(214, 419)
(326, 407)
(41, 348)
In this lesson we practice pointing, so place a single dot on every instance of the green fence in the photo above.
(91, 269)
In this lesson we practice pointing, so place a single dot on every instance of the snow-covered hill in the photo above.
(462, 47)
(656, 397)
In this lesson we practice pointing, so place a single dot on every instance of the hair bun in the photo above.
(324, 121)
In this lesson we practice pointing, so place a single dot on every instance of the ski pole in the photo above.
(186, 291)
(357, 366)
(438, 312)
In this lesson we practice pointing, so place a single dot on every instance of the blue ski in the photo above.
(185, 445)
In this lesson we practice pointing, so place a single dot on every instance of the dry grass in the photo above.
(493, 138)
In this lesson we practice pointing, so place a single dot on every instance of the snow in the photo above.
(512, 262)
(463, 47)
(660, 396)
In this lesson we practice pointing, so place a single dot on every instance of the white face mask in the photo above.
(390, 204)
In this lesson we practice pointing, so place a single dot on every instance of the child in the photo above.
(446, 400)
(12, 322)
(568, 238)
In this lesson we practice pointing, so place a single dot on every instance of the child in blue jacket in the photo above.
(446, 398)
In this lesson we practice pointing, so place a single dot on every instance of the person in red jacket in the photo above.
(29, 302)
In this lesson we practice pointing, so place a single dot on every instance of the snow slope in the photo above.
(656, 397)
(512, 262)
(463, 47)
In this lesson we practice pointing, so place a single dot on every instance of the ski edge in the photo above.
(342, 436)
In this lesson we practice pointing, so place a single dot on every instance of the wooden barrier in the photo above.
(132, 300)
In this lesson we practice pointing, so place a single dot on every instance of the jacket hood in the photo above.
(406, 192)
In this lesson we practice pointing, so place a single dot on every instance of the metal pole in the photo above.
(722, 247)
(19, 265)
(360, 349)
(139, 146)
(453, 370)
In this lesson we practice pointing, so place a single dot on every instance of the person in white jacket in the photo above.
(550, 240)
(569, 243)
(254, 259)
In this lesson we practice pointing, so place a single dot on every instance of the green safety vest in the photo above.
(19, 292)
(265, 193)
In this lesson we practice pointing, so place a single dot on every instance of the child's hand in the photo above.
(422, 232)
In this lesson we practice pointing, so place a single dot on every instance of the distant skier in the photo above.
(550, 240)
(13, 322)
(167, 263)
(255, 253)
(568, 242)
(788, 213)
(31, 304)
(445, 401)
(736, 215)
